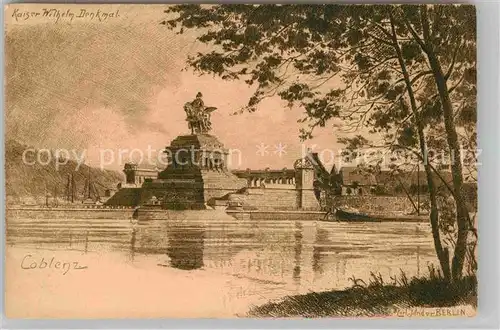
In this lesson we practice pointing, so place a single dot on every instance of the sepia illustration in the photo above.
(240, 161)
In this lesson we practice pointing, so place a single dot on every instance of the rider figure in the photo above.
(198, 109)
(201, 114)
(198, 115)
(198, 103)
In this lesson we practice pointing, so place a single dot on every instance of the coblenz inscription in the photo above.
(31, 262)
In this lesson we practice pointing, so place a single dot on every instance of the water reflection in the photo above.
(181, 243)
(185, 247)
(320, 247)
(133, 238)
(298, 251)
(306, 255)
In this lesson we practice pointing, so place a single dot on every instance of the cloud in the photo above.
(55, 71)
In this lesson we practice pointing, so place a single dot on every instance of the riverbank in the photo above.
(420, 297)
(75, 211)
(155, 213)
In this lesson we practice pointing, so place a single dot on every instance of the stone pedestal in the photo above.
(197, 174)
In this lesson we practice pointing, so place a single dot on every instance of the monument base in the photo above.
(196, 176)
(190, 193)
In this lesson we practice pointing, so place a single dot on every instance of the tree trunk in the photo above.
(442, 253)
(452, 139)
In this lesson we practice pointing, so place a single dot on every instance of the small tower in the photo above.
(304, 178)
(130, 170)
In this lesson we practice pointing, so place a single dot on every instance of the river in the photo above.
(220, 268)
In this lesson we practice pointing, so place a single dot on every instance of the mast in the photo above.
(418, 188)
(90, 191)
(55, 195)
(46, 195)
(73, 188)
(86, 189)
(89, 196)
(68, 188)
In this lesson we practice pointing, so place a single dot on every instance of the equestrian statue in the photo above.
(198, 115)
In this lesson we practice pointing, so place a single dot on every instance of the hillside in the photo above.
(27, 183)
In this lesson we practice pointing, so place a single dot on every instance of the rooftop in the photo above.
(145, 166)
(351, 174)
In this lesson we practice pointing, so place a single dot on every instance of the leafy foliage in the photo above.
(297, 52)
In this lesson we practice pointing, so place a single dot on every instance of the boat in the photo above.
(405, 218)
(351, 216)
(341, 215)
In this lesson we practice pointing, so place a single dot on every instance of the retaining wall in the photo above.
(267, 199)
(97, 212)
(147, 213)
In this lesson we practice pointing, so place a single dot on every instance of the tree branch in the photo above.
(450, 69)
(414, 34)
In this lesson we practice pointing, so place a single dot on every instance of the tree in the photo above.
(436, 40)
(413, 189)
(371, 54)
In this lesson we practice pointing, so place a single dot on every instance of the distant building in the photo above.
(357, 181)
(137, 174)
(258, 178)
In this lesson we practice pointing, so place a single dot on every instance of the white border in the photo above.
(488, 13)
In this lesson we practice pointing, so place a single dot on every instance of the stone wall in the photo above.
(267, 199)
(275, 199)
(307, 200)
(218, 184)
(190, 190)
(125, 197)
(175, 195)
(376, 204)
(150, 213)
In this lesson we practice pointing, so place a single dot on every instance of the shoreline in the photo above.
(88, 211)
(421, 297)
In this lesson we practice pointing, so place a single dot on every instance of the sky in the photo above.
(120, 83)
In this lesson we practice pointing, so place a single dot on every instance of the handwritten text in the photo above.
(30, 262)
(68, 15)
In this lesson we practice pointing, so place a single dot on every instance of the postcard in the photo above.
(240, 161)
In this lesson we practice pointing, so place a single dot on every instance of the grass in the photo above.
(375, 298)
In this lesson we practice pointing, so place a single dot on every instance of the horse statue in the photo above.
(198, 115)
